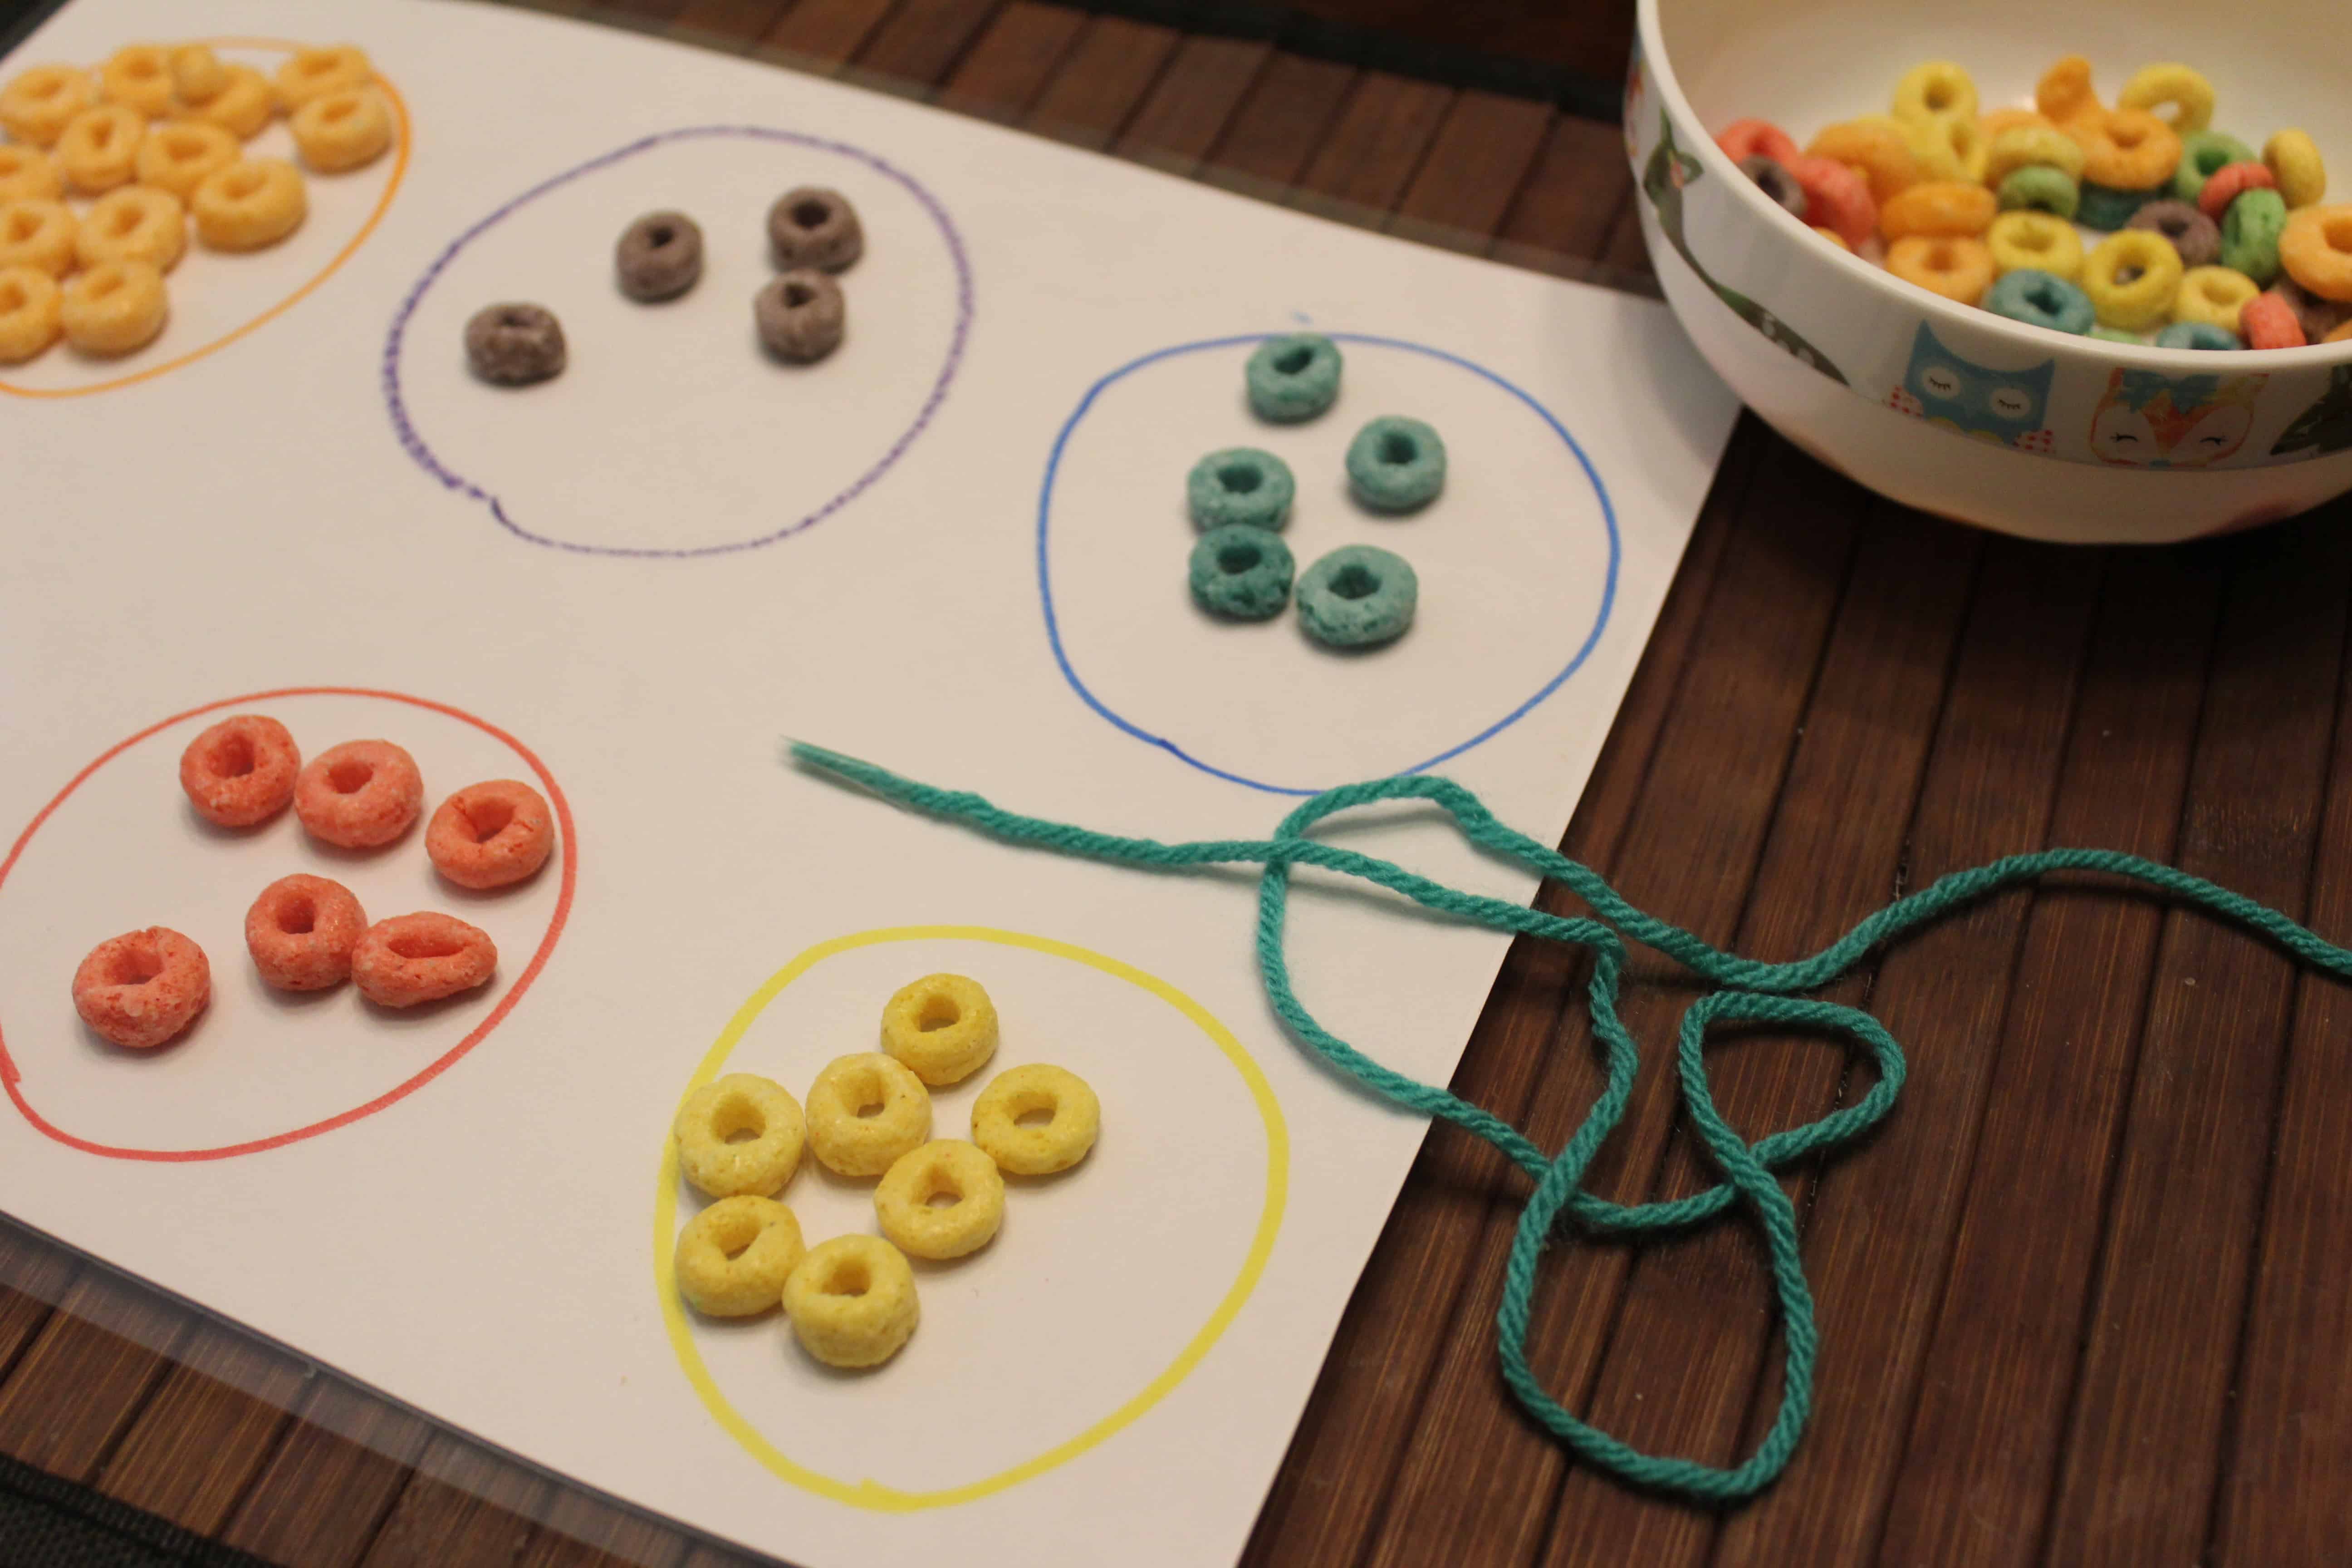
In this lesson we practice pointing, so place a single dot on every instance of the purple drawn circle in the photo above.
(413, 444)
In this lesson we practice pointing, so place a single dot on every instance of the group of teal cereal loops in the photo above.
(1752, 992)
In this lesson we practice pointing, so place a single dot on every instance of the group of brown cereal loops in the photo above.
(155, 136)
(851, 1300)
(1982, 208)
(308, 933)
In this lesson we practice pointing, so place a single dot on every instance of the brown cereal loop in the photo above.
(242, 107)
(241, 771)
(422, 957)
(852, 1301)
(1073, 1119)
(197, 73)
(144, 987)
(140, 75)
(99, 148)
(38, 104)
(360, 794)
(37, 234)
(659, 257)
(515, 345)
(30, 308)
(801, 316)
(114, 308)
(28, 174)
(740, 1133)
(734, 1258)
(314, 73)
(947, 1168)
(249, 205)
(942, 1026)
(865, 1112)
(302, 931)
(135, 223)
(491, 835)
(177, 156)
(342, 129)
(812, 226)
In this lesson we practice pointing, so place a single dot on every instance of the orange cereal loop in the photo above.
(1834, 237)
(241, 771)
(491, 835)
(2317, 251)
(1957, 268)
(176, 156)
(38, 104)
(142, 988)
(1992, 124)
(136, 223)
(99, 150)
(29, 305)
(37, 234)
(197, 73)
(1837, 197)
(302, 932)
(29, 175)
(250, 205)
(140, 75)
(342, 129)
(2129, 150)
(362, 795)
(2064, 94)
(1946, 208)
(242, 107)
(413, 959)
(114, 308)
(2342, 334)
(1876, 150)
(313, 73)
(2268, 321)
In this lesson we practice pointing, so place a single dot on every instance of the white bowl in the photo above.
(1830, 349)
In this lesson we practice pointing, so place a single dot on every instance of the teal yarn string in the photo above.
(1751, 992)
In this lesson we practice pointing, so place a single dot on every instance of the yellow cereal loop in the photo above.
(2041, 241)
(2213, 295)
(740, 1133)
(905, 1200)
(942, 1026)
(734, 1257)
(2064, 94)
(99, 148)
(2293, 160)
(1991, 123)
(1070, 1118)
(1956, 266)
(1948, 149)
(197, 73)
(37, 105)
(2020, 145)
(28, 314)
(1881, 152)
(1935, 90)
(29, 175)
(135, 223)
(37, 234)
(242, 107)
(138, 75)
(313, 73)
(174, 156)
(342, 129)
(2132, 278)
(852, 1301)
(249, 204)
(1955, 208)
(2185, 91)
(865, 1112)
(113, 307)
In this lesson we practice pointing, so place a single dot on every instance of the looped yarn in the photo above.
(1751, 992)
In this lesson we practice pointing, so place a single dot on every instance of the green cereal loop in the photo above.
(2203, 153)
(2105, 207)
(2249, 234)
(1240, 573)
(2196, 335)
(1396, 464)
(1239, 486)
(1294, 377)
(2043, 187)
(1358, 595)
(2116, 335)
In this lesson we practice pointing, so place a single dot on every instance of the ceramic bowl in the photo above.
(1944, 406)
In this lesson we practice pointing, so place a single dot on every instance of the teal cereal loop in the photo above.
(1241, 573)
(2204, 154)
(1239, 486)
(2043, 300)
(2043, 187)
(2249, 235)
(1294, 377)
(2108, 209)
(1396, 464)
(1358, 597)
(2196, 335)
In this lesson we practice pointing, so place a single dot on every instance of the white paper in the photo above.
(482, 1246)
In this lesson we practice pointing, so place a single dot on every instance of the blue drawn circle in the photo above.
(1045, 572)
(396, 343)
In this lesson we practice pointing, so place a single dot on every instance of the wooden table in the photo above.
(2087, 1298)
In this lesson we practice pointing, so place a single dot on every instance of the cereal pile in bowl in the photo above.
(2139, 223)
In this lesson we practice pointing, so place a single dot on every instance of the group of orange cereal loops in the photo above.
(153, 137)
(2197, 241)
(851, 1301)
(145, 988)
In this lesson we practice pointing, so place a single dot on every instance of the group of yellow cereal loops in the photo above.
(851, 1301)
(2206, 245)
(154, 137)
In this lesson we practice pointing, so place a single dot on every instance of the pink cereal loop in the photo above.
(1836, 198)
(491, 835)
(1748, 137)
(360, 794)
(2229, 181)
(240, 771)
(302, 931)
(422, 957)
(144, 987)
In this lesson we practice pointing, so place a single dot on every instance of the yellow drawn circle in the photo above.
(874, 1495)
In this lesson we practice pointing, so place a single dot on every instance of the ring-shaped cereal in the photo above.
(2214, 295)
(2204, 154)
(2064, 94)
(144, 987)
(852, 1301)
(29, 175)
(2341, 334)
(2040, 187)
(1947, 209)
(2132, 278)
(1948, 149)
(2024, 145)
(197, 73)
(251, 203)
(2041, 299)
(360, 794)
(713, 1151)
(342, 129)
(100, 149)
(2027, 240)
(2270, 322)
(242, 107)
(38, 104)
(491, 835)
(1935, 90)
(37, 234)
(1073, 1119)
(1834, 237)
(241, 771)
(734, 1258)
(2195, 236)
(2129, 150)
(2293, 158)
(1957, 268)
(114, 308)
(302, 932)
(29, 305)
(2251, 232)
(864, 1112)
(1993, 121)
(141, 75)
(2202, 336)
(177, 156)
(1879, 152)
(1837, 198)
(132, 223)
(421, 957)
(314, 73)
(948, 1168)
(2229, 181)
(2316, 249)
(1752, 138)
(2185, 91)
(943, 1026)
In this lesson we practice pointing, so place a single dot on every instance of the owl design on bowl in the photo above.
(2006, 406)
(2151, 421)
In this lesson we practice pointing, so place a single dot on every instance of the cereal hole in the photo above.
(810, 215)
(2127, 135)
(1396, 447)
(415, 945)
(487, 818)
(140, 66)
(243, 183)
(798, 294)
(341, 109)
(103, 282)
(1939, 96)
(22, 225)
(2127, 275)
(1035, 1116)
(1291, 362)
(2045, 297)
(738, 1120)
(939, 1013)
(47, 89)
(2337, 232)
(297, 915)
(11, 297)
(1355, 582)
(660, 235)
(1240, 477)
(943, 1197)
(1238, 558)
(848, 1278)
(2217, 290)
(517, 317)
(101, 135)
(183, 145)
(126, 219)
(134, 963)
(1942, 257)
(350, 777)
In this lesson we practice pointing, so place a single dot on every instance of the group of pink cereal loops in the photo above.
(146, 987)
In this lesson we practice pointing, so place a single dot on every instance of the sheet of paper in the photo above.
(957, 547)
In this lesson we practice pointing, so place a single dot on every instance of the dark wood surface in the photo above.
(2086, 1299)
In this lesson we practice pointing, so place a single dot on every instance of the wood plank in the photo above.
(328, 1488)
(1279, 124)
(1011, 61)
(1102, 81)
(820, 36)
(202, 1440)
(33, 1274)
(1484, 149)
(1192, 103)
(85, 1375)
(919, 42)
(731, 25)
(1368, 157)
(1571, 201)
(463, 1506)
(584, 1532)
